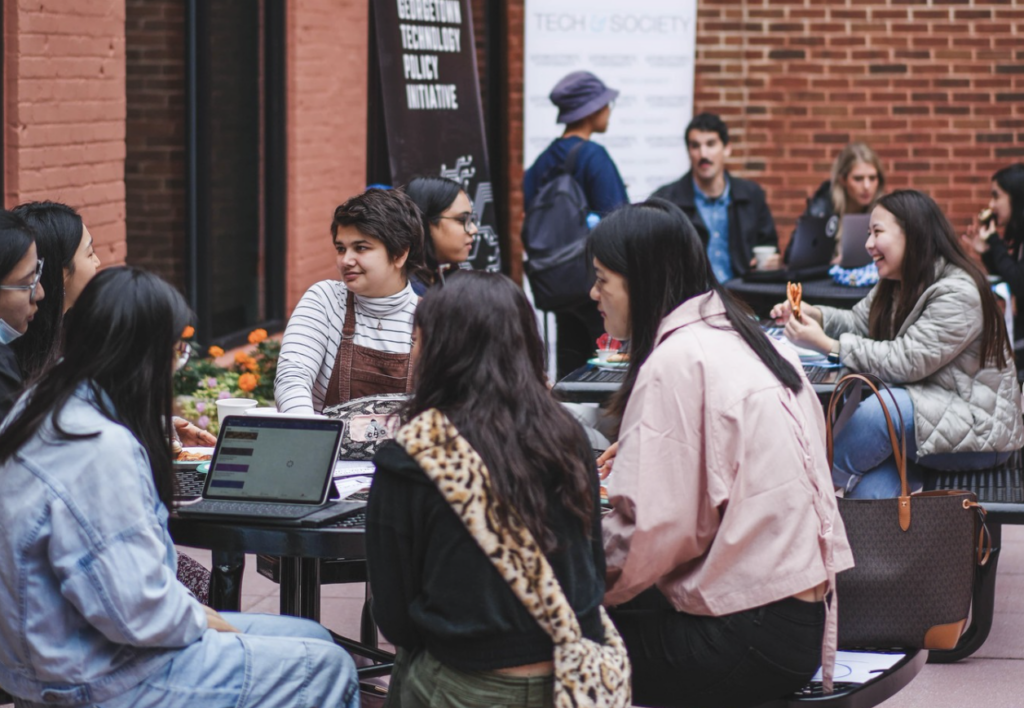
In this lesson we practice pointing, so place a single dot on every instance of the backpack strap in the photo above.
(570, 160)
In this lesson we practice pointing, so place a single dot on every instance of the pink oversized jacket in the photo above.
(721, 491)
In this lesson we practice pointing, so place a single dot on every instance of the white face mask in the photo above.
(7, 333)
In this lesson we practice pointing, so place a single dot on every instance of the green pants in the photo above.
(421, 681)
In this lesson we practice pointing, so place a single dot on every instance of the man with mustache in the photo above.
(729, 213)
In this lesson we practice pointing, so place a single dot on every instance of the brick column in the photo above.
(328, 44)
(64, 111)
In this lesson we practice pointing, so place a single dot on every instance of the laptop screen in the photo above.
(274, 459)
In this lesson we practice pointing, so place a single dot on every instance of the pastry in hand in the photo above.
(794, 292)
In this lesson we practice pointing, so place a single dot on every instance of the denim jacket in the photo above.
(90, 604)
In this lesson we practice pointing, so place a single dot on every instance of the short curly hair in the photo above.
(389, 216)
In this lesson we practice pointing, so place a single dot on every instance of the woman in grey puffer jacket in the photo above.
(932, 330)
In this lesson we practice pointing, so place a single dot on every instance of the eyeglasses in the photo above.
(32, 287)
(468, 221)
(182, 352)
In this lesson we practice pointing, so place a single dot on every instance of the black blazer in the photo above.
(750, 219)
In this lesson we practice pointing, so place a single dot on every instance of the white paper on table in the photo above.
(860, 666)
(353, 468)
(347, 486)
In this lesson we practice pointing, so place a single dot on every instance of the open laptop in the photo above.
(810, 255)
(853, 246)
(274, 470)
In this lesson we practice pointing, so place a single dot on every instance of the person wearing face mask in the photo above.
(20, 295)
(449, 226)
(857, 181)
(70, 262)
(1002, 254)
(932, 330)
(352, 337)
(730, 214)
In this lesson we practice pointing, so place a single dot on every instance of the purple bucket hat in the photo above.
(579, 94)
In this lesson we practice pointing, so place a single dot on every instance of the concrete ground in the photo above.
(989, 678)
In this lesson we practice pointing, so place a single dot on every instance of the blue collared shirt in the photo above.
(90, 604)
(715, 214)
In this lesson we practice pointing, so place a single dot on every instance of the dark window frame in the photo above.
(197, 170)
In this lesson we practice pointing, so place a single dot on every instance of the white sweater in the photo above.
(313, 335)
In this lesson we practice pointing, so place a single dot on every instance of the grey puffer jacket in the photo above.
(960, 405)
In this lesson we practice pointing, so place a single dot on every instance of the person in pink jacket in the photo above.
(724, 537)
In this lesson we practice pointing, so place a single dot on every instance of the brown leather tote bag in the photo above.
(915, 555)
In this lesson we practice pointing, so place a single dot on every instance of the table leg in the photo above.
(300, 587)
(226, 581)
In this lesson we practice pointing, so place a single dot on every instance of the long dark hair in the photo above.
(59, 232)
(16, 237)
(433, 196)
(655, 248)
(481, 363)
(120, 341)
(929, 237)
(1011, 180)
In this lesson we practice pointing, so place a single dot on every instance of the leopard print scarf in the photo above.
(586, 673)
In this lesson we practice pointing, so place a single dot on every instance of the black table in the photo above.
(300, 549)
(763, 296)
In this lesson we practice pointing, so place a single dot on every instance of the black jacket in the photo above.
(1002, 261)
(10, 380)
(434, 588)
(750, 219)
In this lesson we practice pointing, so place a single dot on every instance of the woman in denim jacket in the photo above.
(90, 609)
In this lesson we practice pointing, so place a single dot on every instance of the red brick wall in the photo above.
(936, 88)
(326, 124)
(155, 160)
(64, 111)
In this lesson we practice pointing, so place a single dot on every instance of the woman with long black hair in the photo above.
(20, 295)
(931, 329)
(70, 262)
(461, 632)
(85, 479)
(724, 535)
(449, 226)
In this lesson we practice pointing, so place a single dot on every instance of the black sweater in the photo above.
(10, 380)
(434, 588)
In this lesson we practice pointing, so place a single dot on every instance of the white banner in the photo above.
(643, 48)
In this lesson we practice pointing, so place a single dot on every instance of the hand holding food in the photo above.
(806, 332)
(794, 293)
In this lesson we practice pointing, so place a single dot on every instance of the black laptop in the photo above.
(274, 470)
(814, 243)
(853, 247)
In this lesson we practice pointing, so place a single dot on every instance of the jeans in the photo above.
(738, 660)
(863, 464)
(421, 681)
(278, 662)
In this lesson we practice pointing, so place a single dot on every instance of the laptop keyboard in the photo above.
(190, 484)
(253, 509)
(819, 374)
(599, 375)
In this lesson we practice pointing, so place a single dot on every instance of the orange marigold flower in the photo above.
(215, 352)
(252, 365)
(257, 335)
(247, 382)
(241, 357)
(188, 332)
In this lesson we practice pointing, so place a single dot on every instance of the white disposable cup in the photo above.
(234, 406)
(762, 254)
(603, 354)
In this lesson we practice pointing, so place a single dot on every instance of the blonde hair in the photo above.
(846, 161)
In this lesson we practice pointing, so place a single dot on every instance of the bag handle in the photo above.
(898, 441)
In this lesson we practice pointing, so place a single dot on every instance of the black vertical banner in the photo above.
(432, 110)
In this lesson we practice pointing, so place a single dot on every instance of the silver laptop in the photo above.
(853, 246)
(274, 470)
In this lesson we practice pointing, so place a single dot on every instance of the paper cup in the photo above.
(234, 406)
(603, 354)
(762, 254)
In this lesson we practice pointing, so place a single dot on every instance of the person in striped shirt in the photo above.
(352, 337)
